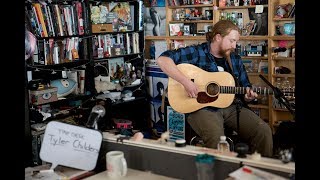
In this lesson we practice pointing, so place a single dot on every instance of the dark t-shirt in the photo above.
(222, 63)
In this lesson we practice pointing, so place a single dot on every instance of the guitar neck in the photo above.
(242, 90)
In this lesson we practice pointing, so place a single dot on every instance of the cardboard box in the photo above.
(43, 96)
(101, 28)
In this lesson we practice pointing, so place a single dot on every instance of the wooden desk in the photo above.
(132, 175)
(179, 162)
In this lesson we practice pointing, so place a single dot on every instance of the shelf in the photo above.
(155, 37)
(118, 32)
(283, 75)
(190, 6)
(283, 58)
(187, 37)
(67, 98)
(253, 38)
(283, 19)
(62, 65)
(192, 21)
(254, 57)
(240, 7)
(281, 109)
(256, 74)
(118, 102)
(258, 106)
(288, 38)
(270, 39)
(176, 37)
(62, 37)
(107, 58)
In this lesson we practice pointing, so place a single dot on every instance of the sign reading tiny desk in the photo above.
(70, 145)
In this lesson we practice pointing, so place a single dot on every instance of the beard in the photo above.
(226, 52)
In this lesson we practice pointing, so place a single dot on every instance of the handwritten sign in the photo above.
(176, 124)
(70, 145)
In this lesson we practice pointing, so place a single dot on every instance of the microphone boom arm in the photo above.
(278, 94)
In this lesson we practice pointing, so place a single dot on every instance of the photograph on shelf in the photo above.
(155, 21)
(186, 30)
(261, 21)
(176, 29)
(116, 66)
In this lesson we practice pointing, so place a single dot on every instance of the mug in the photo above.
(116, 164)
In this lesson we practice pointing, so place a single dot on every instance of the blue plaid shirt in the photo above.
(199, 55)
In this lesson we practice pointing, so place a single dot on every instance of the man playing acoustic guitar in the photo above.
(207, 120)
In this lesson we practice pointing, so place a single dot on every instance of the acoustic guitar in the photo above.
(216, 89)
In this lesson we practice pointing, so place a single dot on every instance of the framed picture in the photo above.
(175, 28)
(114, 66)
(186, 30)
(207, 28)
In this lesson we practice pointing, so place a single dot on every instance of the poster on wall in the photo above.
(175, 124)
(157, 117)
(155, 21)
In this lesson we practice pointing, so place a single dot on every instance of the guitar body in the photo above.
(181, 102)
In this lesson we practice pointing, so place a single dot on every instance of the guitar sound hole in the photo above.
(212, 89)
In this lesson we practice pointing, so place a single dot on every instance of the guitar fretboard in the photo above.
(242, 90)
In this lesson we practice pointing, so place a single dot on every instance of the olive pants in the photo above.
(209, 125)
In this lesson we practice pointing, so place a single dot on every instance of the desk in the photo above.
(132, 175)
(179, 162)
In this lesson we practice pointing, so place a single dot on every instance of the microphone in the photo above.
(97, 112)
(279, 95)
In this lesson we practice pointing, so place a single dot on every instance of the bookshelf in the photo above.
(264, 39)
(70, 47)
(62, 55)
(118, 58)
(280, 38)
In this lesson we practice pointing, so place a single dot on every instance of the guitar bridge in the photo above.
(204, 98)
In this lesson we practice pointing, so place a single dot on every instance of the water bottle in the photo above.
(223, 145)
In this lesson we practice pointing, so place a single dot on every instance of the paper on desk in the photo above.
(250, 173)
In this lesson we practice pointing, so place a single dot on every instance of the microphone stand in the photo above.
(278, 94)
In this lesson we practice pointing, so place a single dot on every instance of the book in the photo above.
(140, 15)
(41, 19)
(122, 13)
(114, 64)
